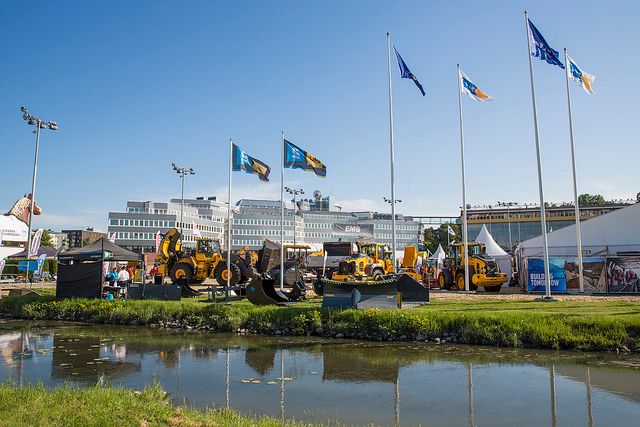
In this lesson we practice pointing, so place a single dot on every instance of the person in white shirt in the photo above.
(123, 277)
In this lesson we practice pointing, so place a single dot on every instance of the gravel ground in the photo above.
(437, 294)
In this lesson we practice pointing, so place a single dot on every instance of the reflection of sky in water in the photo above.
(316, 380)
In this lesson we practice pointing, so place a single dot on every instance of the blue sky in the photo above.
(137, 85)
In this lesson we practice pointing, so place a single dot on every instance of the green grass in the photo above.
(606, 325)
(110, 406)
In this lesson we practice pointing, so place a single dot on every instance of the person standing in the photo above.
(123, 277)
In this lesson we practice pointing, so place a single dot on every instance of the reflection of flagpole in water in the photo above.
(179, 368)
(282, 384)
(226, 391)
(589, 406)
(472, 421)
(397, 400)
(552, 386)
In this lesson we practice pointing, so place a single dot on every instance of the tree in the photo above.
(438, 236)
(590, 200)
(46, 239)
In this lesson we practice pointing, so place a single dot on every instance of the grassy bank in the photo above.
(108, 406)
(612, 325)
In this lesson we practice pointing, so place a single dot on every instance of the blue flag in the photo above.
(541, 49)
(241, 161)
(296, 158)
(405, 73)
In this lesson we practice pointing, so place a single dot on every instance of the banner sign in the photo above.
(623, 275)
(22, 265)
(352, 230)
(595, 274)
(536, 279)
(12, 229)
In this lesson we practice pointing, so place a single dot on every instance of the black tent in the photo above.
(80, 269)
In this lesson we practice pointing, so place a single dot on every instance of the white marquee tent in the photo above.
(608, 234)
(439, 254)
(493, 249)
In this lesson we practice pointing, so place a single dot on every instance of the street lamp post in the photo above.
(39, 124)
(182, 172)
(393, 202)
(294, 192)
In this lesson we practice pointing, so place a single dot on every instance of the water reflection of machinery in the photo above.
(360, 364)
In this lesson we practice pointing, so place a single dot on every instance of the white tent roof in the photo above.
(615, 231)
(493, 248)
(7, 251)
(438, 254)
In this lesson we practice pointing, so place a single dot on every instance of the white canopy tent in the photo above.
(608, 234)
(493, 249)
(439, 255)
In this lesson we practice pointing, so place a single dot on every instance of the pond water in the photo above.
(337, 381)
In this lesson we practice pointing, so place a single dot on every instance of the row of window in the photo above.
(271, 222)
(398, 227)
(142, 223)
(254, 242)
(318, 235)
(398, 235)
(329, 217)
(242, 232)
(209, 228)
(128, 235)
(536, 214)
(317, 225)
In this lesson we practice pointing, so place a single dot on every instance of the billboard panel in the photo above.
(352, 230)
(623, 275)
(595, 274)
(536, 279)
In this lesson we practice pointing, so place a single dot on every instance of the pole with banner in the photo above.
(464, 188)
(391, 152)
(282, 214)
(543, 221)
(228, 284)
(575, 182)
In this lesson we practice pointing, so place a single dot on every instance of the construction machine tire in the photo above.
(445, 280)
(181, 273)
(493, 289)
(377, 274)
(220, 274)
(459, 284)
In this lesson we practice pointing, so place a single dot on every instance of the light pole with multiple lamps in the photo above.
(39, 124)
(393, 202)
(182, 172)
(294, 192)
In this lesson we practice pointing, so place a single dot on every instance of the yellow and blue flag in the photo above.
(472, 90)
(583, 78)
(241, 161)
(405, 73)
(541, 49)
(296, 158)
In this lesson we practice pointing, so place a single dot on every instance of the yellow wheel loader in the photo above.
(193, 266)
(483, 269)
(371, 262)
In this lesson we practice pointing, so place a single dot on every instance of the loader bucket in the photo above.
(412, 291)
(263, 292)
(188, 291)
(380, 294)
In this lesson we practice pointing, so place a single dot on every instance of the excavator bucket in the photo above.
(263, 291)
(392, 292)
(381, 294)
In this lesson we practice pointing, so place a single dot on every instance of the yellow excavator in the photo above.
(189, 266)
(483, 269)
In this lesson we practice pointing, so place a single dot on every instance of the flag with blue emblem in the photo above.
(241, 161)
(467, 86)
(296, 158)
(541, 49)
(405, 73)
(581, 77)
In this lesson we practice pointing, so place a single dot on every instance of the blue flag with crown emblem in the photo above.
(541, 49)
(405, 73)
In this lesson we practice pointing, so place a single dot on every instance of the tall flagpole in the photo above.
(226, 290)
(464, 188)
(282, 215)
(392, 156)
(543, 220)
(575, 181)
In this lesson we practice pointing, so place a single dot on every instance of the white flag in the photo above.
(35, 244)
(112, 237)
(157, 241)
(2, 262)
(450, 230)
(196, 230)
